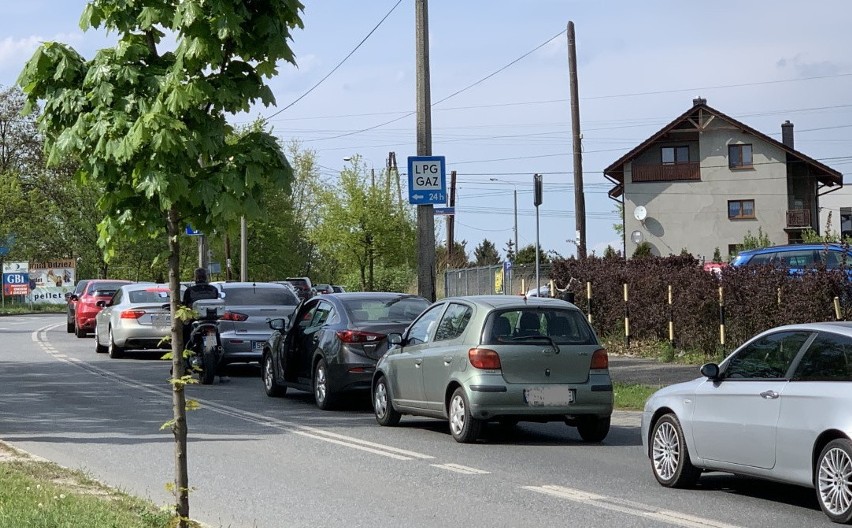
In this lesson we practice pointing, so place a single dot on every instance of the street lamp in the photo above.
(515, 193)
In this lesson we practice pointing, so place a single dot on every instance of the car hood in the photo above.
(678, 389)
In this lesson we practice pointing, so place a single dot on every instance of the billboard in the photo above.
(16, 278)
(51, 280)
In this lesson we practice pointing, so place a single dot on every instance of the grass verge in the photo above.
(37, 494)
(23, 309)
(632, 396)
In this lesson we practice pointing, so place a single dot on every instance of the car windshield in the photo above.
(562, 326)
(104, 288)
(249, 296)
(399, 309)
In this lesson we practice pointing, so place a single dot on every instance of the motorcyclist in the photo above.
(201, 290)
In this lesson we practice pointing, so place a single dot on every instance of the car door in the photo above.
(441, 358)
(407, 382)
(296, 348)
(735, 419)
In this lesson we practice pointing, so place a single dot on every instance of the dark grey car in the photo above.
(249, 306)
(332, 343)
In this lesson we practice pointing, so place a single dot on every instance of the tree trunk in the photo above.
(179, 428)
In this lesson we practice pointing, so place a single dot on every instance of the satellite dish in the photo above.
(636, 237)
(640, 213)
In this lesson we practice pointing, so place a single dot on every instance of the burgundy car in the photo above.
(86, 307)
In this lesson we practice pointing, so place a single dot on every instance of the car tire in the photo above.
(99, 348)
(593, 428)
(323, 394)
(115, 351)
(383, 404)
(463, 426)
(670, 455)
(270, 383)
(79, 332)
(833, 479)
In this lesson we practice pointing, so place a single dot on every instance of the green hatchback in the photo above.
(499, 358)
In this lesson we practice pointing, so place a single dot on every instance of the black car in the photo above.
(303, 287)
(71, 303)
(331, 343)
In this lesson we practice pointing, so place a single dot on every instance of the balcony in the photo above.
(799, 218)
(664, 173)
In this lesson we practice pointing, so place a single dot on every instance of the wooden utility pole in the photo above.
(451, 219)
(425, 213)
(579, 198)
(243, 249)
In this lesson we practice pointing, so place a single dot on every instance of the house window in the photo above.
(739, 156)
(674, 155)
(740, 209)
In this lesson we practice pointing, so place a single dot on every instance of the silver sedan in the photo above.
(779, 408)
(137, 317)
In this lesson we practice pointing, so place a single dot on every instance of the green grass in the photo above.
(632, 396)
(35, 494)
(21, 309)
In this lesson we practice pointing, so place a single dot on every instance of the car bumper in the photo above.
(491, 397)
(242, 348)
(86, 323)
(645, 428)
(141, 337)
(350, 376)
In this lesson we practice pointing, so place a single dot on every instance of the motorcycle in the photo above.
(204, 340)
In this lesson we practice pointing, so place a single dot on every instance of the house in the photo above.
(706, 180)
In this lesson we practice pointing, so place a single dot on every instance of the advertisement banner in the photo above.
(16, 284)
(51, 280)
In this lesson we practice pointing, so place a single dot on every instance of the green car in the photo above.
(499, 358)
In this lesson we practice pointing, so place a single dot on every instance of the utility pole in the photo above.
(451, 220)
(579, 197)
(538, 194)
(243, 250)
(202, 251)
(227, 257)
(425, 213)
(516, 222)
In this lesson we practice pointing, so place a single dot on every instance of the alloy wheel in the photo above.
(267, 373)
(835, 481)
(457, 414)
(320, 385)
(380, 400)
(666, 451)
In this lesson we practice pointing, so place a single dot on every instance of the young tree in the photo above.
(149, 126)
(485, 254)
(526, 255)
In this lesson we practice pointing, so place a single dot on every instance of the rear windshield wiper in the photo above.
(536, 338)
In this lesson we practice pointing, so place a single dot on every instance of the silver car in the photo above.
(137, 317)
(243, 329)
(779, 408)
(501, 358)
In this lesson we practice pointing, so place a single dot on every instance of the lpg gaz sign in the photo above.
(427, 180)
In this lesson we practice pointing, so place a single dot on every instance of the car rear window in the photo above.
(104, 288)
(249, 296)
(154, 295)
(563, 326)
(385, 310)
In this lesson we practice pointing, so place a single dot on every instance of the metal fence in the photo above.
(489, 280)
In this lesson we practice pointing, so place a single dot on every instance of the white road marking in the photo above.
(629, 507)
(458, 468)
(40, 337)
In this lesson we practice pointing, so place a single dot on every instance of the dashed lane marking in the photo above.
(458, 468)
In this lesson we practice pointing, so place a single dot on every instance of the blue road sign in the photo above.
(427, 180)
(192, 232)
(445, 210)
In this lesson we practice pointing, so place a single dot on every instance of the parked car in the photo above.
(778, 408)
(323, 288)
(86, 304)
(303, 287)
(244, 328)
(338, 289)
(332, 343)
(476, 359)
(71, 304)
(796, 257)
(137, 317)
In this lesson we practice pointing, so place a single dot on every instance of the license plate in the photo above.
(549, 396)
(210, 340)
(161, 319)
(257, 345)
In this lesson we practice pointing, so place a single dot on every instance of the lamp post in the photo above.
(515, 195)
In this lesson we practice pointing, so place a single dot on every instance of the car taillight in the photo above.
(132, 314)
(600, 360)
(233, 316)
(357, 336)
(484, 358)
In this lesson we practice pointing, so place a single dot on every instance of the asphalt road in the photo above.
(261, 462)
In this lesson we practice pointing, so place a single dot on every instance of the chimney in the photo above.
(699, 101)
(787, 133)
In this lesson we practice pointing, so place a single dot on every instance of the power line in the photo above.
(339, 64)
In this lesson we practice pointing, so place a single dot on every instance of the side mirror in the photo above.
(73, 297)
(710, 370)
(101, 304)
(395, 338)
(277, 324)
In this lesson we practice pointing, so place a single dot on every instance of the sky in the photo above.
(640, 64)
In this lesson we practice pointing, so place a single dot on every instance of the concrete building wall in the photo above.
(693, 215)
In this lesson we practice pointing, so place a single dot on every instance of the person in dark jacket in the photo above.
(201, 290)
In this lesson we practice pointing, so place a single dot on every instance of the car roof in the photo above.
(791, 247)
(135, 286)
(842, 327)
(511, 301)
(249, 284)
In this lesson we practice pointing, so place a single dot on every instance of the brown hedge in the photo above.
(751, 298)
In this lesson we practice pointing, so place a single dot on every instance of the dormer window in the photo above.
(674, 155)
(739, 156)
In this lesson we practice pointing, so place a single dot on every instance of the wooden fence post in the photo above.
(626, 319)
(837, 308)
(589, 300)
(671, 320)
(722, 315)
